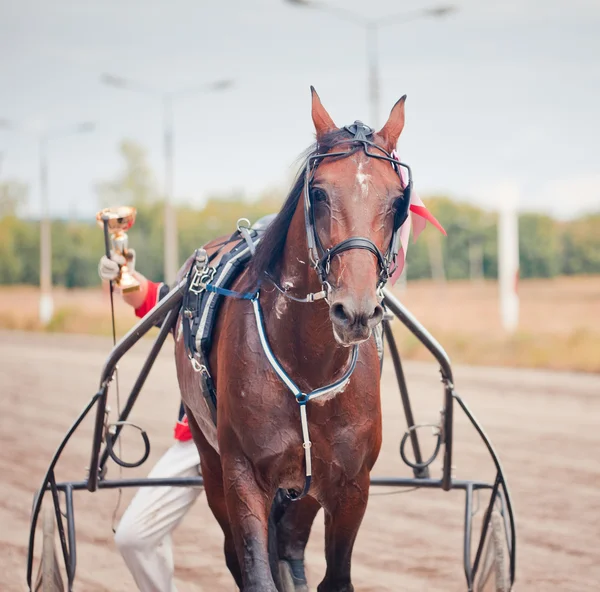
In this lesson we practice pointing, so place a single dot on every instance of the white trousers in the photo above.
(144, 533)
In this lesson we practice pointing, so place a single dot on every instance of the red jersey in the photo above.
(154, 294)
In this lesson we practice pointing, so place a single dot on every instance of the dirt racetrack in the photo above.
(546, 427)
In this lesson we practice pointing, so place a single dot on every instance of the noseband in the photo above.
(321, 257)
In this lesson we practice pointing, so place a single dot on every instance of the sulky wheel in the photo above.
(48, 577)
(493, 571)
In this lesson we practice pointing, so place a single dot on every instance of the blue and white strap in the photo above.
(301, 398)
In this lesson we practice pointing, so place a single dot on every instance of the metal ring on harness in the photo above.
(426, 463)
(110, 442)
(239, 224)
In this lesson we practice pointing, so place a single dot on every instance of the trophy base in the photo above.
(127, 283)
(128, 289)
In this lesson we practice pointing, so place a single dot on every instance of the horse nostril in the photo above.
(339, 313)
(376, 317)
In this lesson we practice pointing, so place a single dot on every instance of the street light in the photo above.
(371, 28)
(46, 309)
(170, 229)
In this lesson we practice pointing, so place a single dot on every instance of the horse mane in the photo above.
(270, 248)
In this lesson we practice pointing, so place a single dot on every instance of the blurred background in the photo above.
(195, 113)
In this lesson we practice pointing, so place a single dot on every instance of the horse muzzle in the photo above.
(353, 323)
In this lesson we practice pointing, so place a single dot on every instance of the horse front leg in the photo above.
(212, 473)
(293, 531)
(248, 505)
(342, 521)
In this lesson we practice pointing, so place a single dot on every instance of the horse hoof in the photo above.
(289, 582)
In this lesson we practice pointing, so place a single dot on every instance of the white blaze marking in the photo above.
(362, 180)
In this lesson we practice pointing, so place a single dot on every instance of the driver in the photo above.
(143, 536)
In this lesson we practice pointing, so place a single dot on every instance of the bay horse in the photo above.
(316, 277)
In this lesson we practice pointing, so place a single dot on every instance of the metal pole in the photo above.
(170, 230)
(373, 73)
(508, 261)
(46, 304)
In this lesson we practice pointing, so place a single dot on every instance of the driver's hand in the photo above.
(108, 268)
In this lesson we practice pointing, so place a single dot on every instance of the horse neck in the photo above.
(301, 333)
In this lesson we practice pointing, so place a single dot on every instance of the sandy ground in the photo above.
(544, 425)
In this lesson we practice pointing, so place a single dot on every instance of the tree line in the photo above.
(547, 247)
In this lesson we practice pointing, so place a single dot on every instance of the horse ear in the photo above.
(393, 127)
(321, 119)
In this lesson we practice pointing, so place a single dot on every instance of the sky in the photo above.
(503, 97)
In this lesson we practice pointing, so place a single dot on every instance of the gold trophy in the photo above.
(115, 222)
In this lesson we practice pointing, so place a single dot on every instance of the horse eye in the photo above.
(318, 195)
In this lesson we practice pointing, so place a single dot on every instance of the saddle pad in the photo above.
(227, 271)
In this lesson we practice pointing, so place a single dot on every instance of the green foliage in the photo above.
(10, 262)
(76, 248)
(13, 196)
(134, 185)
(547, 247)
(581, 246)
(469, 228)
(539, 246)
(418, 262)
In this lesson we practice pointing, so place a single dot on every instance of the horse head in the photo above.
(355, 201)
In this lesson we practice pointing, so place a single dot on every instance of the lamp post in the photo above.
(508, 259)
(167, 98)
(371, 28)
(46, 305)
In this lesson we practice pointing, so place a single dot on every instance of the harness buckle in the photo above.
(202, 274)
(197, 366)
(202, 277)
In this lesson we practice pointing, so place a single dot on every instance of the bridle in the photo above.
(320, 256)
